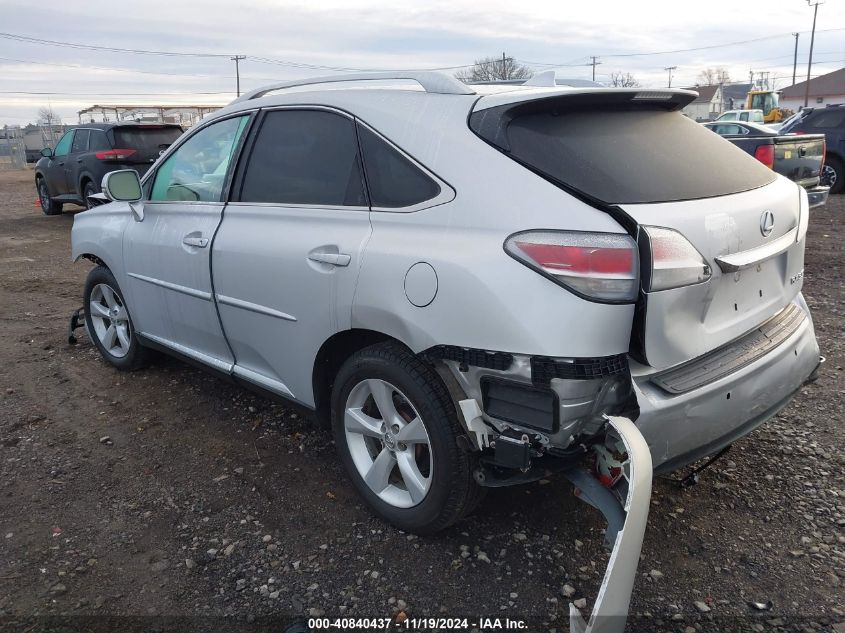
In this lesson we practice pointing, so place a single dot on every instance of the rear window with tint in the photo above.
(633, 156)
(393, 180)
(149, 140)
(827, 120)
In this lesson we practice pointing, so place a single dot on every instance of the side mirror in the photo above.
(122, 186)
(47, 152)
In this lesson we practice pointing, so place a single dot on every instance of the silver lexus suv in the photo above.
(466, 282)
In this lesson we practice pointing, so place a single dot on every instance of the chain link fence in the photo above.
(12, 149)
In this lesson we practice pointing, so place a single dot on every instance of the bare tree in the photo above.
(48, 116)
(48, 119)
(713, 76)
(495, 69)
(618, 79)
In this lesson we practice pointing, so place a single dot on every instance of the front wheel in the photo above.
(396, 429)
(109, 323)
(48, 205)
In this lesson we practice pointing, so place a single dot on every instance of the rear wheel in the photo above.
(48, 205)
(88, 190)
(109, 323)
(396, 428)
(834, 174)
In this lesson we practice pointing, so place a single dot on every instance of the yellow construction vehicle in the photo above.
(767, 101)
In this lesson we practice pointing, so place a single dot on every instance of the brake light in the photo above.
(598, 266)
(766, 155)
(115, 154)
(674, 261)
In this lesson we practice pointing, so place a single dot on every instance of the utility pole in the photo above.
(237, 59)
(594, 64)
(670, 69)
(795, 58)
(815, 4)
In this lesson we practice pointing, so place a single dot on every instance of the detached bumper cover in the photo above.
(627, 519)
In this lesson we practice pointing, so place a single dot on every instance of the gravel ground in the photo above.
(168, 493)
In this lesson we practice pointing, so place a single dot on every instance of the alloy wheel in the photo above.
(388, 443)
(44, 195)
(828, 176)
(110, 320)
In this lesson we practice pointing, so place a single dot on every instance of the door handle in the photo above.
(199, 242)
(335, 259)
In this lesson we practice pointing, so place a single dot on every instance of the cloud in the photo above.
(380, 34)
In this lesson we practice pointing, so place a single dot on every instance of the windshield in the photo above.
(764, 101)
(631, 155)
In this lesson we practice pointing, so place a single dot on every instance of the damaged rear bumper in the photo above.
(682, 426)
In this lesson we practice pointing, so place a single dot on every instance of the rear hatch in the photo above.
(718, 232)
(143, 143)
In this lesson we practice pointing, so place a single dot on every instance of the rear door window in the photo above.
(392, 179)
(304, 157)
(80, 142)
(630, 154)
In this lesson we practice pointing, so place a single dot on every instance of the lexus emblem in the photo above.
(767, 223)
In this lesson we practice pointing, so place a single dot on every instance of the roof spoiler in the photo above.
(491, 122)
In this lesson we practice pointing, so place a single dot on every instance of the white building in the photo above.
(826, 89)
(707, 106)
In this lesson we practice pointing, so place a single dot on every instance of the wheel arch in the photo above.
(329, 359)
(85, 178)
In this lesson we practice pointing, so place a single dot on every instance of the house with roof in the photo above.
(734, 95)
(708, 104)
(824, 90)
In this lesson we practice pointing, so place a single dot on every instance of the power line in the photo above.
(106, 94)
(112, 49)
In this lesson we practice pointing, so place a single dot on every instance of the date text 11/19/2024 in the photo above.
(417, 624)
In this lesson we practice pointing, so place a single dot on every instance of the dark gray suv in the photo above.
(74, 170)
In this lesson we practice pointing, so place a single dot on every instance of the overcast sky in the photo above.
(372, 34)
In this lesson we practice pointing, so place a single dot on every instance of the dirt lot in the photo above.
(207, 501)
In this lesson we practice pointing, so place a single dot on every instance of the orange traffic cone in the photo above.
(38, 202)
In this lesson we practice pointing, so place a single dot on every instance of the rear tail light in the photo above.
(766, 155)
(674, 261)
(115, 154)
(597, 266)
(824, 155)
(803, 214)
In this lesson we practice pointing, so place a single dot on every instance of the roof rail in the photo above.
(431, 81)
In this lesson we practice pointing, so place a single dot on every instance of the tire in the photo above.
(109, 324)
(48, 205)
(88, 189)
(426, 421)
(835, 174)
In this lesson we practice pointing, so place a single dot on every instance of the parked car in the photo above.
(799, 158)
(752, 116)
(829, 121)
(471, 285)
(73, 171)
